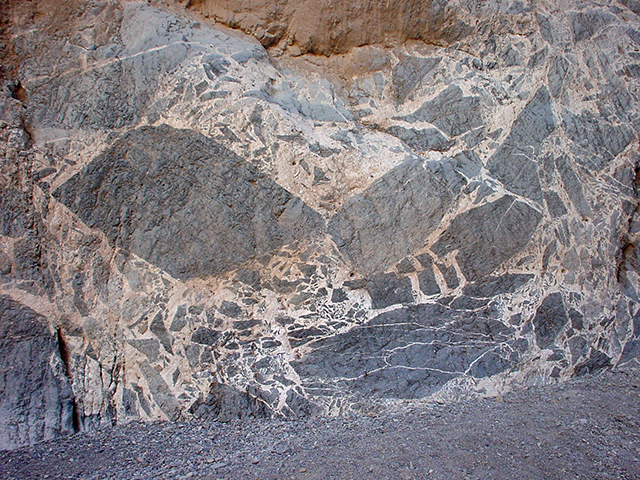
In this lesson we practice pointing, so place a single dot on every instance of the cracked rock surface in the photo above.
(196, 223)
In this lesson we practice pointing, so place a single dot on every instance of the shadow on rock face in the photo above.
(184, 203)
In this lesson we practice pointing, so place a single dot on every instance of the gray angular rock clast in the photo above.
(185, 203)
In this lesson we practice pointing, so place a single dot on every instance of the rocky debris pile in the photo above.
(588, 426)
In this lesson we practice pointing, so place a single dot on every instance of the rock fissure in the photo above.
(63, 350)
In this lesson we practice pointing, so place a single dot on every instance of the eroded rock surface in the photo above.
(194, 226)
(36, 400)
(322, 27)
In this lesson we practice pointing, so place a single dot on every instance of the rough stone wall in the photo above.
(190, 227)
(330, 27)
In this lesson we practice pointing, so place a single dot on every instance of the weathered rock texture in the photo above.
(191, 225)
(329, 27)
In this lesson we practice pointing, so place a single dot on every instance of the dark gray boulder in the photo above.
(409, 352)
(489, 235)
(393, 217)
(185, 203)
(550, 319)
(515, 163)
(36, 400)
(450, 111)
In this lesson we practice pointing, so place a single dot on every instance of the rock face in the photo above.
(36, 399)
(194, 226)
(326, 27)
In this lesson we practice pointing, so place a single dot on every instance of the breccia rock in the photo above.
(443, 204)
(185, 203)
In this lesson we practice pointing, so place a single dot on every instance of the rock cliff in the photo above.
(441, 204)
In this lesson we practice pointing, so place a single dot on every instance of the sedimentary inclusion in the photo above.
(322, 219)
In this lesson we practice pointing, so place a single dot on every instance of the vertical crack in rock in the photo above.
(628, 261)
(65, 356)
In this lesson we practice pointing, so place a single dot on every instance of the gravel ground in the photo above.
(587, 428)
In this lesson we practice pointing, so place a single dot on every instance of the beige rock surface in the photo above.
(328, 27)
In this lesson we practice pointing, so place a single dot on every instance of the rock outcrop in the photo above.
(194, 226)
(329, 27)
